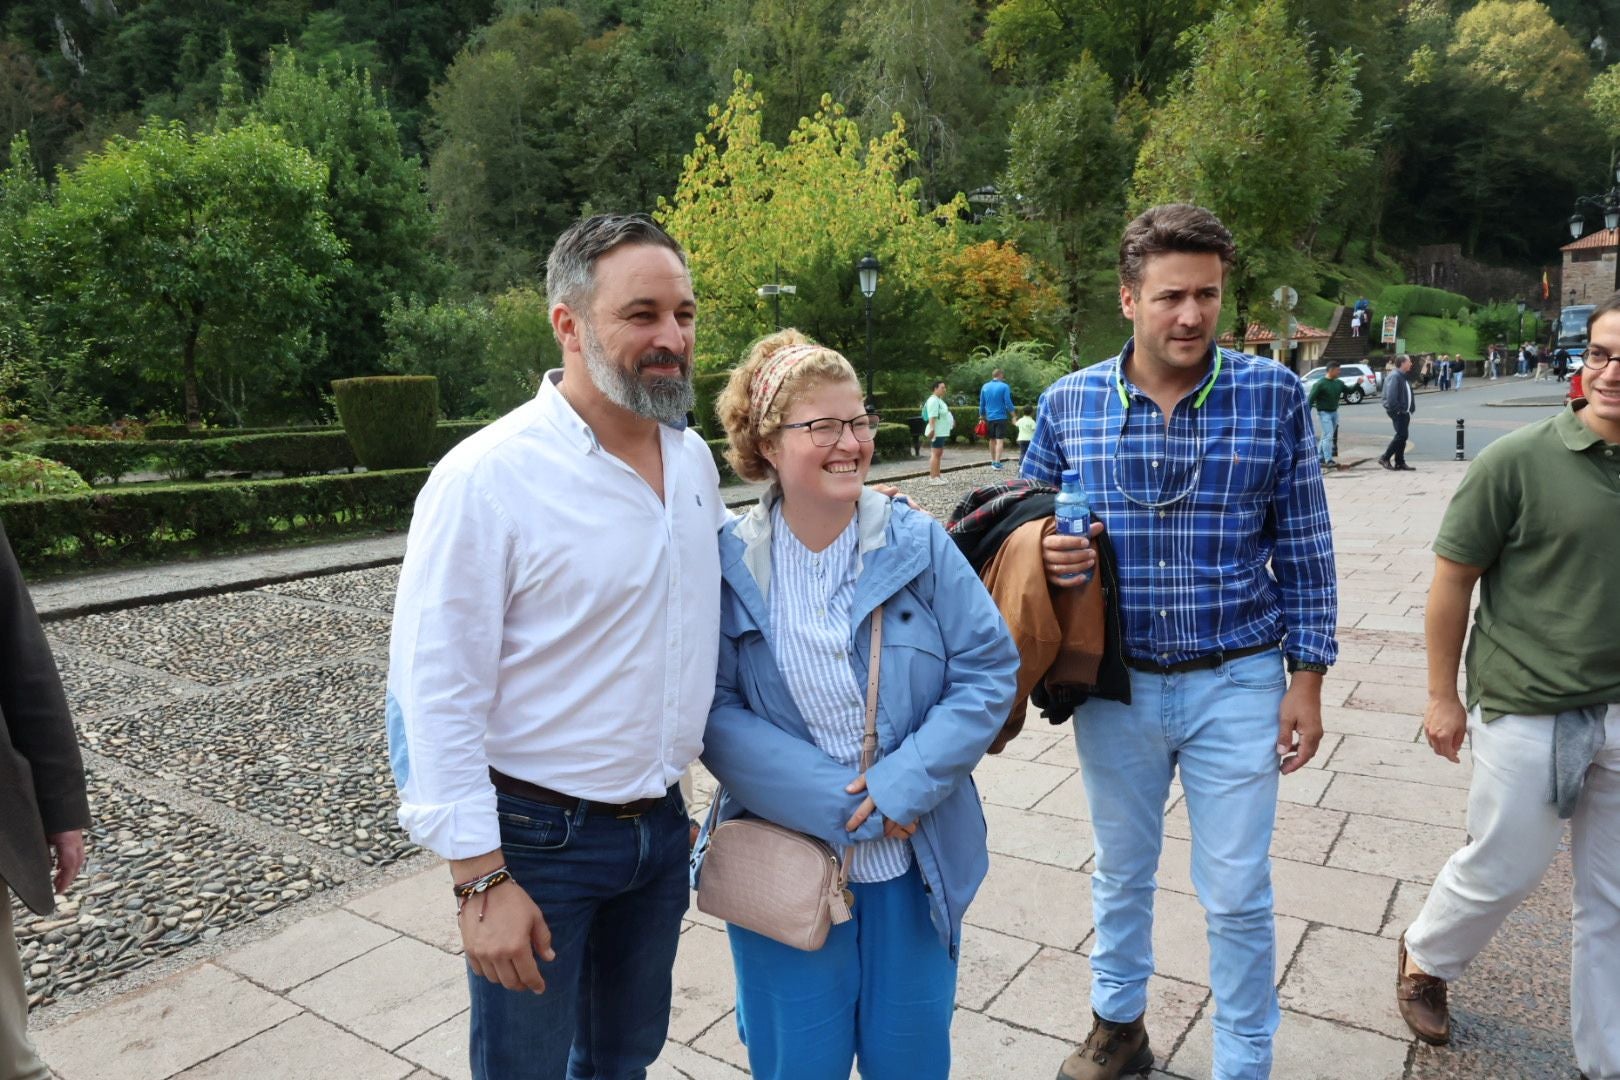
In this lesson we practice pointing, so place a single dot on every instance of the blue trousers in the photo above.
(880, 991)
(613, 891)
(1219, 729)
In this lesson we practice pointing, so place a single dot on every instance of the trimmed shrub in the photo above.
(893, 441)
(706, 387)
(389, 418)
(451, 432)
(717, 447)
(23, 476)
(96, 461)
(56, 531)
(966, 416)
(1405, 300)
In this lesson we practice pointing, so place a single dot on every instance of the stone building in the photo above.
(1589, 268)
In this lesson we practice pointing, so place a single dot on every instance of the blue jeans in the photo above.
(1330, 427)
(613, 891)
(1219, 728)
(882, 989)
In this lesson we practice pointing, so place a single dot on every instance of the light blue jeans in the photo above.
(1330, 427)
(1219, 728)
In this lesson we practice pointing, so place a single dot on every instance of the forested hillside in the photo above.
(209, 210)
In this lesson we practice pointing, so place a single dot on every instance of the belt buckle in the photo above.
(622, 812)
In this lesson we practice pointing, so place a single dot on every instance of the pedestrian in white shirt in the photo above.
(552, 666)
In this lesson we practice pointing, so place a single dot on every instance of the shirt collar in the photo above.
(1576, 435)
(1126, 389)
(561, 415)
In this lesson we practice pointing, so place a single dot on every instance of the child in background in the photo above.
(1026, 429)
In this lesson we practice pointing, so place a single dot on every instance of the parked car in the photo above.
(1360, 381)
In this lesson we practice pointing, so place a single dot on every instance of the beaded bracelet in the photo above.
(466, 890)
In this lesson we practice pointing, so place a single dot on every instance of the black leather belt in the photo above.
(1197, 663)
(522, 789)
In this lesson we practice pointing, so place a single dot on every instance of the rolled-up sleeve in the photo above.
(444, 663)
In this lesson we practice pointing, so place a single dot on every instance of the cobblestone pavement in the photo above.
(252, 910)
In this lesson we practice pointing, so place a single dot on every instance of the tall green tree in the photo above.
(1068, 165)
(1255, 134)
(188, 256)
(1138, 42)
(376, 201)
(919, 59)
(503, 144)
(795, 51)
(750, 211)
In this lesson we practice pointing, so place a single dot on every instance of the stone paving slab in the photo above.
(369, 983)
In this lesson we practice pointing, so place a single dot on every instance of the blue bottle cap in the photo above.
(1071, 476)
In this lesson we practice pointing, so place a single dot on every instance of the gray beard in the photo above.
(661, 398)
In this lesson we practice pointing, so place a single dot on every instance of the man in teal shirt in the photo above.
(1324, 398)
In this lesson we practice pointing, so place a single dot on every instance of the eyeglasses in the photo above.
(827, 430)
(1146, 479)
(1597, 359)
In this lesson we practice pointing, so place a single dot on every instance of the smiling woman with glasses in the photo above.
(815, 574)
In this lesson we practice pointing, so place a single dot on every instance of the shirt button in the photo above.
(1163, 613)
(1161, 562)
(1155, 464)
(1161, 513)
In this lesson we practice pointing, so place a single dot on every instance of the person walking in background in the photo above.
(1026, 429)
(937, 412)
(1457, 364)
(1533, 523)
(1399, 402)
(44, 808)
(1324, 398)
(551, 668)
(808, 572)
(996, 410)
(1202, 465)
(1426, 374)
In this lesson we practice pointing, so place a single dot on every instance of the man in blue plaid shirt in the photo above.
(1202, 465)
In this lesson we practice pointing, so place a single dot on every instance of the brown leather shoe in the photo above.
(1111, 1050)
(1422, 1001)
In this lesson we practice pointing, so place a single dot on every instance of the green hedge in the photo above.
(293, 453)
(390, 419)
(893, 441)
(163, 431)
(1406, 300)
(23, 476)
(706, 387)
(966, 416)
(55, 531)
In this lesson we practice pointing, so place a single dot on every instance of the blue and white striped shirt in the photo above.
(1198, 508)
(811, 596)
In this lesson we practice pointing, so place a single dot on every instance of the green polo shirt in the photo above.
(1540, 511)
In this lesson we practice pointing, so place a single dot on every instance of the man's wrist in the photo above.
(478, 865)
(1296, 665)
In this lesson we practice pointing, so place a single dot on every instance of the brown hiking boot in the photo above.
(1111, 1050)
(1422, 1001)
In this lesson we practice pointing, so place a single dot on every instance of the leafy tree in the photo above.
(374, 197)
(185, 256)
(1137, 42)
(1069, 160)
(996, 294)
(1250, 104)
(487, 355)
(919, 59)
(503, 144)
(750, 212)
(794, 47)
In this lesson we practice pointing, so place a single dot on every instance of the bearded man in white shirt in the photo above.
(552, 665)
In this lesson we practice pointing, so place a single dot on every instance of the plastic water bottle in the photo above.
(1073, 510)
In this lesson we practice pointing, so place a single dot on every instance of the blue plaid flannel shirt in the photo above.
(1229, 487)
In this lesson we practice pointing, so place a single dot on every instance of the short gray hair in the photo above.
(571, 268)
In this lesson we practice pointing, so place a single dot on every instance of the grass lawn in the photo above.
(1430, 334)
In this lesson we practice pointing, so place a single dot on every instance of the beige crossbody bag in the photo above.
(774, 880)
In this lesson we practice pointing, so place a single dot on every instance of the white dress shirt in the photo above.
(555, 620)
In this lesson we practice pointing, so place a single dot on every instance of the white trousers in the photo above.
(1514, 832)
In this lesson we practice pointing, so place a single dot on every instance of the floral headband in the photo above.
(769, 376)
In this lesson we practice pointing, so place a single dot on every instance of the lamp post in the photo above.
(867, 270)
(776, 292)
(1607, 204)
(1520, 306)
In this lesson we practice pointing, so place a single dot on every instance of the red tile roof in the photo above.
(1603, 238)
(1259, 334)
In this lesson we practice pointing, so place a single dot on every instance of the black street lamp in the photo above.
(867, 270)
(1520, 306)
(1607, 204)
